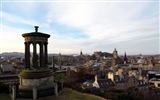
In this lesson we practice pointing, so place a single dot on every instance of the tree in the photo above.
(59, 77)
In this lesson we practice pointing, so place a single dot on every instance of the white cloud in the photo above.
(111, 22)
(12, 39)
(16, 19)
(107, 25)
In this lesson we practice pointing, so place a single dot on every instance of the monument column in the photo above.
(34, 55)
(46, 54)
(27, 55)
(41, 55)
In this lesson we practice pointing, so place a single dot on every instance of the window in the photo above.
(144, 82)
(151, 84)
(158, 84)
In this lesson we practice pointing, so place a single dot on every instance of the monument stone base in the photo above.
(36, 84)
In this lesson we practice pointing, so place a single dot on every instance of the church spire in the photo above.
(125, 58)
(125, 55)
(81, 52)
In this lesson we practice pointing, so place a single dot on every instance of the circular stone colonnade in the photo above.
(36, 38)
(36, 81)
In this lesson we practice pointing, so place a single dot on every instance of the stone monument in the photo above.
(36, 81)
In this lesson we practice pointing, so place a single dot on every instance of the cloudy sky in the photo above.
(90, 25)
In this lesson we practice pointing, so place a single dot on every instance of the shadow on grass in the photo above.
(5, 96)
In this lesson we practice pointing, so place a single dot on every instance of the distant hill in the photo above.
(18, 54)
(50, 55)
(21, 55)
(54, 54)
(12, 54)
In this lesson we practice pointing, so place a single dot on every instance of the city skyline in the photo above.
(130, 26)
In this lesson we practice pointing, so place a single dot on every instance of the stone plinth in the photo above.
(40, 77)
(36, 83)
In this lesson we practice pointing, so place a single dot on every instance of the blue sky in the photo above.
(90, 25)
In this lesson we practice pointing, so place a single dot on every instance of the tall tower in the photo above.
(53, 64)
(81, 57)
(60, 61)
(115, 53)
(114, 58)
(81, 53)
(125, 61)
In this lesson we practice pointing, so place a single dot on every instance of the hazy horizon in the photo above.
(88, 53)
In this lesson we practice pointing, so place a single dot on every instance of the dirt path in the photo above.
(62, 96)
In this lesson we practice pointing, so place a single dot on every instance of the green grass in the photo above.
(75, 95)
(5, 96)
(68, 94)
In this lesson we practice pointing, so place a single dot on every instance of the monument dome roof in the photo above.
(36, 33)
